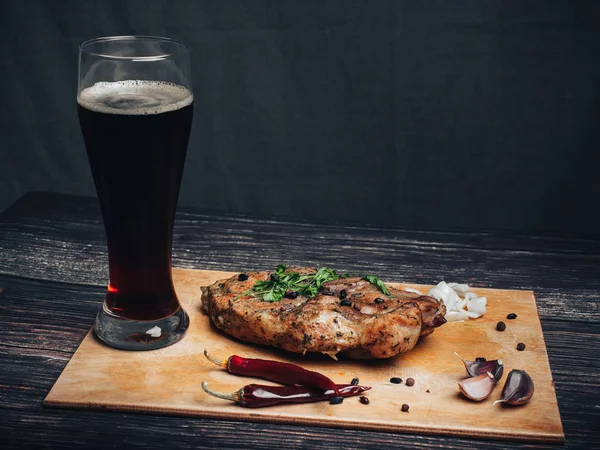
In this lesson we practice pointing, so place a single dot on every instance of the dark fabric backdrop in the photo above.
(435, 114)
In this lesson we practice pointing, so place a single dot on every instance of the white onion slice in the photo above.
(460, 289)
(470, 296)
(477, 306)
(436, 293)
(454, 316)
(444, 293)
(458, 308)
(462, 304)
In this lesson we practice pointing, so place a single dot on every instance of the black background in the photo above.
(432, 114)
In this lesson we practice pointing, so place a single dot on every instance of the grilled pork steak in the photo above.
(372, 326)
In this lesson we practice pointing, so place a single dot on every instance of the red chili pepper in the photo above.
(256, 395)
(279, 372)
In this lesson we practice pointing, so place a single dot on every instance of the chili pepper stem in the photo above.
(218, 362)
(235, 397)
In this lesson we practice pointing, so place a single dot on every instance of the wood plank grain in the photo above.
(167, 380)
(26, 423)
(30, 366)
(61, 238)
(51, 242)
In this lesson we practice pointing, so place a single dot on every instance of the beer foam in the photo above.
(134, 97)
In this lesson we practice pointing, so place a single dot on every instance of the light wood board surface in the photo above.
(168, 380)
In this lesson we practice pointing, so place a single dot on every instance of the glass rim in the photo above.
(182, 46)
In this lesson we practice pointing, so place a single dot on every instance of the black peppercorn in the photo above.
(343, 294)
(500, 326)
(395, 380)
(511, 316)
(354, 381)
(364, 400)
(405, 408)
(242, 277)
(480, 359)
(379, 300)
(274, 277)
(336, 400)
(345, 303)
(291, 294)
(520, 346)
(410, 381)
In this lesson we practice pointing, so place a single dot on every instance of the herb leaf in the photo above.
(275, 288)
(291, 281)
(375, 281)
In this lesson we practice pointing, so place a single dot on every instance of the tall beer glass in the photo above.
(135, 107)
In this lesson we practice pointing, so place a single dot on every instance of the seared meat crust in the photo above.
(374, 326)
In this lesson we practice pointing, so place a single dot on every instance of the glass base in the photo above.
(140, 335)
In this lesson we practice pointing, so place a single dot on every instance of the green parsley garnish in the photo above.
(377, 283)
(284, 281)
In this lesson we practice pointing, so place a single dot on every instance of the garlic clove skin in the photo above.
(475, 368)
(477, 388)
(518, 388)
(496, 367)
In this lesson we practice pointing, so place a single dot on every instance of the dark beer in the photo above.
(136, 135)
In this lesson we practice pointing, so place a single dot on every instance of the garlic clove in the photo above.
(477, 388)
(518, 388)
(475, 368)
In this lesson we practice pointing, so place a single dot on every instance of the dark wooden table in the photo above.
(53, 272)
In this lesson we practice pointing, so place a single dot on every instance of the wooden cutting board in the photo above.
(167, 381)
